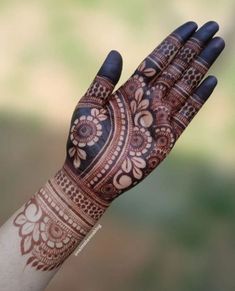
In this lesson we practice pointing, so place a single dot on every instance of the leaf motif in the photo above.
(137, 173)
(139, 162)
(77, 162)
(36, 233)
(33, 213)
(127, 165)
(20, 219)
(143, 104)
(95, 112)
(26, 244)
(102, 117)
(27, 228)
(143, 118)
(72, 152)
(133, 106)
(139, 94)
(149, 72)
(142, 66)
(81, 154)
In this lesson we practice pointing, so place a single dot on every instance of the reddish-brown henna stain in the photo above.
(115, 141)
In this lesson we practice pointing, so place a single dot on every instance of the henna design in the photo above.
(115, 141)
(54, 221)
(138, 129)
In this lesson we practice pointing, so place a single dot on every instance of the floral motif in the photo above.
(133, 84)
(165, 138)
(146, 71)
(142, 116)
(46, 241)
(141, 141)
(85, 131)
(29, 223)
(134, 163)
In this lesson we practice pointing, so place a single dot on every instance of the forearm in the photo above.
(37, 239)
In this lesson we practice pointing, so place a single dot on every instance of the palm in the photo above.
(117, 139)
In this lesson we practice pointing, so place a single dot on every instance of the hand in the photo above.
(117, 139)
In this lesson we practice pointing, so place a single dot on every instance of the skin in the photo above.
(115, 140)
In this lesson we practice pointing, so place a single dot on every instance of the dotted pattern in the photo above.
(165, 51)
(77, 197)
(99, 88)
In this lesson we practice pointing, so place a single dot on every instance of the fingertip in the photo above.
(219, 42)
(112, 67)
(206, 88)
(206, 31)
(186, 30)
(212, 50)
(211, 81)
(211, 25)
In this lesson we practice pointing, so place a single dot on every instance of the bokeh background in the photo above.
(175, 231)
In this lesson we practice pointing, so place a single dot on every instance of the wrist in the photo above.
(56, 219)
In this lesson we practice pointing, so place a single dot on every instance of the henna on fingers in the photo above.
(117, 138)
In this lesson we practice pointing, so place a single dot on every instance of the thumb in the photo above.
(112, 67)
(106, 78)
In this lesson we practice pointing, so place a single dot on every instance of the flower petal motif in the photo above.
(95, 112)
(143, 104)
(133, 106)
(36, 233)
(102, 117)
(139, 94)
(20, 219)
(138, 162)
(33, 213)
(127, 165)
(100, 114)
(142, 66)
(26, 244)
(72, 151)
(27, 228)
(149, 72)
(76, 162)
(81, 154)
(137, 173)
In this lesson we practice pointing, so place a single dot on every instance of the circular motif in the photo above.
(85, 131)
(153, 162)
(133, 84)
(140, 141)
(164, 138)
(55, 231)
(108, 192)
(52, 234)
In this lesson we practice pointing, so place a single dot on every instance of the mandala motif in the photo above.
(134, 83)
(165, 139)
(139, 107)
(44, 239)
(85, 131)
(141, 141)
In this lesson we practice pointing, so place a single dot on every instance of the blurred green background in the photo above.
(175, 231)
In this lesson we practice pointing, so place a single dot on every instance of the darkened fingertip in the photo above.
(112, 67)
(185, 31)
(207, 31)
(212, 50)
(206, 88)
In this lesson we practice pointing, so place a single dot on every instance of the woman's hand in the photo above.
(117, 138)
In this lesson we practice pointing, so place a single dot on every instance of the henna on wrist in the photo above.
(55, 220)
